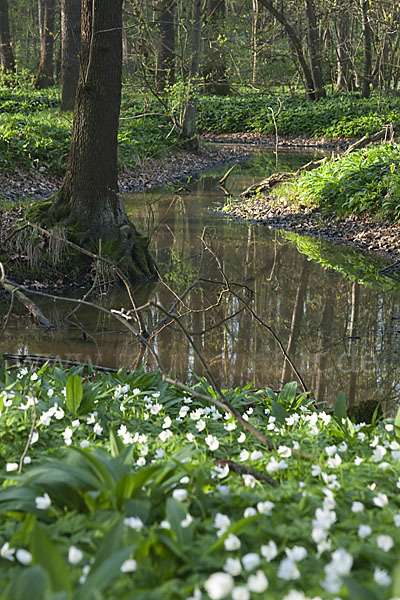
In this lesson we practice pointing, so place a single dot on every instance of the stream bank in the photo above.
(360, 232)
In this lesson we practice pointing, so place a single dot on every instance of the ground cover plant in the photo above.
(33, 132)
(362, 182)
(337, 116)
(127, 490)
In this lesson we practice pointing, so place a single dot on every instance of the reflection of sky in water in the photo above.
(314, 310)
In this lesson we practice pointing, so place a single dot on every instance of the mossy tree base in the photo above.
(119, 243)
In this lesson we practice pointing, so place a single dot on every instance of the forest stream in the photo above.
(337, 317)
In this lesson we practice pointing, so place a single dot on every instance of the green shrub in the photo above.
(363, 182)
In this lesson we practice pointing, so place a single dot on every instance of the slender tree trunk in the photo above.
(189, 120)
(214, 69)
(297, 47)
(314, 45)
(6, 51)
(367, 45)
(44, 76)
(70, 43)
(345, 76)
(165, 72)
(88, 201)
(254, 39)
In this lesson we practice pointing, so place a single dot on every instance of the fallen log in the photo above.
(33, 308)
(277, 178)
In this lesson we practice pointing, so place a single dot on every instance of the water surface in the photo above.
(339, 321)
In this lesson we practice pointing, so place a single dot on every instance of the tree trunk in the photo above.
(6, 51)
(87, 202)
(44, 76)
(254, 38)
(165, 72)
(367, 45)
(297, 47)
(70, 43)
(345, 78)
(214, 70)
(189, 119)
(314, 46)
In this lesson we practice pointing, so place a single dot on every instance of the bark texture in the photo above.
(70, 44)
(367, 45)
(87, 202)
(6, 51)
(189, 120)
(165, 73)
(214, 70)
(44, 76)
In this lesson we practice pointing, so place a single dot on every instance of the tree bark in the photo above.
(297, 47)
(345, 77)
(214, 69)
(70, 44)
(189, 119)
(367, 45)
(165, 72)
(6, 51)
(44, 76)
(87, 202)
(314, 46)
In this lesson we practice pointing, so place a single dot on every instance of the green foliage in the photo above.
(34, 134)
(363, 182)
(338, 115)
(121, 496)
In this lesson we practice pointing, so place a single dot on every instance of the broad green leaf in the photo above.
(278, 411)
(397, 423)
(271, 394)
(175, 513)
(358, 591)
(74, 393)
(17, 498)
(395, 589)
(112, 542)
(45, 553)
(116, 444)
(31, 582)
(288, 393)
(102, 577)
(339, 410)
(22, 537)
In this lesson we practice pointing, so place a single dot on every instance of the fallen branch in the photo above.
(384, 134)
(266, 185)
(244, 470)
(277, 178)
(33, 309)
(225, 177)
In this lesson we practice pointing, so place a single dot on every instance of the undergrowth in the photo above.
(363, 182)
(126, 492)
(33, 133)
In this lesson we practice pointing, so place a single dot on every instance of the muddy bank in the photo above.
(177, 166)
(287, 142)
(360, 232)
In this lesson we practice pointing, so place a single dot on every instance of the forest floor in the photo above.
(177, 166)
(366, 233)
